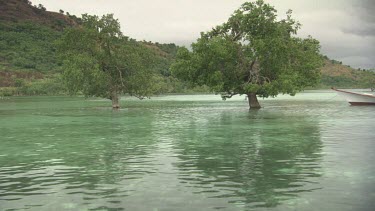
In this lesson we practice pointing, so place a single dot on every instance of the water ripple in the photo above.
(186, 155)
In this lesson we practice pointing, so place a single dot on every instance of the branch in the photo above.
(252, 64)
(253, 74)
(141, 97)
(235, 38)
(224, 96)
(122, 82)
(265, 79)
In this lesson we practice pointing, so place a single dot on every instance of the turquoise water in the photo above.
(310, 152)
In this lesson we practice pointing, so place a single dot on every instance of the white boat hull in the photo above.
(357, 98)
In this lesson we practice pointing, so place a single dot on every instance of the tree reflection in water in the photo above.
(257, 160)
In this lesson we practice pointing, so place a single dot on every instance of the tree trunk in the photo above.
(115, 100)
(253, 101)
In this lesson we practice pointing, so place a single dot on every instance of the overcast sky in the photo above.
(345, 28)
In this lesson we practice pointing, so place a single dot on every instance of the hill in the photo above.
(28, 60)
(27, 52)
(335, 74)
(29, 64)
(23, 10)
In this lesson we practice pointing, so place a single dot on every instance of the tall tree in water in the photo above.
(253, 53)
(98, 60)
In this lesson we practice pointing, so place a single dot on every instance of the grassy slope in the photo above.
(27, 34)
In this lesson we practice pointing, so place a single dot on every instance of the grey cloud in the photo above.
(363, 31)
(349, 53)
(363, 19)
(367, 8)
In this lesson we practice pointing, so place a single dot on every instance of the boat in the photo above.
(357, 99)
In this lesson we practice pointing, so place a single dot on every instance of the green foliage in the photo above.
(52, 85)
(99, 61)
(28, 46)
(344, 77)
(338, 81)
(8, 91)
(18, 82)
(253, 52)
(164, 56)
(170, 48)
(48, 86)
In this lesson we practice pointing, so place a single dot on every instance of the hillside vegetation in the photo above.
(335, 74)
(29, 64)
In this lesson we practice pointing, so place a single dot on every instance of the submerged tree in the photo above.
(99, 61)
(253, 53)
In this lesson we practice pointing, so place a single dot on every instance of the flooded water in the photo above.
(310, 152)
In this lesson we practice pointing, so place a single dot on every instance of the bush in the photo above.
(47, 86)
(8, 91)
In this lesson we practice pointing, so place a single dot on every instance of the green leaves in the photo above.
(253, 52)
(100, 61)
(82, 74)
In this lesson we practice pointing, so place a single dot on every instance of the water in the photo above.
(310, 152)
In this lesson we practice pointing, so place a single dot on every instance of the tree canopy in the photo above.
(98, 60)
(253, 53)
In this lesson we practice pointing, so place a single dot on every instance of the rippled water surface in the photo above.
(310, 152)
